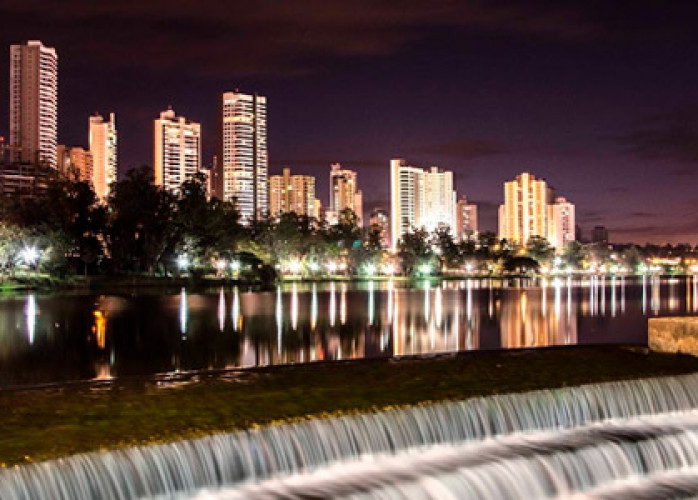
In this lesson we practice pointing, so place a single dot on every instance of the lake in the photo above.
(68, 336)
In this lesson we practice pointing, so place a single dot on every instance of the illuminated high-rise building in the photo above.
(420, 199)
(103, 142)
(176, 150)
(466, 218)
(74, 163)
(243, 159)
(33, 103)
(561, 225)
(292, 193)
(524, 213)
(344, 193)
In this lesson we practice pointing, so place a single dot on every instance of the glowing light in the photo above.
(294, 266)
(183, 262)
(425, 269)
(370, 269)
(388, 269)
(221, 310)
(331, 267)
(183, 312)
(314, 267)
(469, 267)
(220, 264)
(235, 265)
(30, 255)
(100, 329)
(30, 312)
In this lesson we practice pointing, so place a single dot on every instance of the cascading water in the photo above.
(608, 440)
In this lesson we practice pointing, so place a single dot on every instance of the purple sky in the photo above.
(599, 98)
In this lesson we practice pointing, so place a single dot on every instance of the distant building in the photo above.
(561, 223)
(74, 163)
(292, 193)
(381, 219)
(24, 180)
(466, 218)
(524, 213)
(530, 210)
(33, 103)
(420, 199)
(103, 143)
(344, 193)
(242, 158)
(176, 150)
(599, 235)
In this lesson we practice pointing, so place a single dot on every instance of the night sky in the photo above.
(600, 98)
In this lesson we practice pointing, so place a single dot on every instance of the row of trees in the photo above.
(143, 229)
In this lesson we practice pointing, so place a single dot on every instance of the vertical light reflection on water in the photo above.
(30, 312)
(695, 294)
(235, 310)
(602, 293)
(592, 296)
(673, 295)
(655, 295)
(397, 346)
(371, 303)
(613, 296)
(568, 323)
(343, 304)
(333, 304)
(221, 310)
(456, 325)
(490, 303)
(469, 313)
(438, 307)
(622, 294)
(183, 312)
(100, 328)
(313, 308)
(294, 307)
(558, 301)
(544, 296)
(279, 319)
(644, 294)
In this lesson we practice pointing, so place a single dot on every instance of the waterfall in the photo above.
(601, 440)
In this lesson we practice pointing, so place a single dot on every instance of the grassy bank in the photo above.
(48, 423)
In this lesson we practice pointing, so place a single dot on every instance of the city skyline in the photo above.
(613, 127)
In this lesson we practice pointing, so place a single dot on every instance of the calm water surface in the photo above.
(67, 336)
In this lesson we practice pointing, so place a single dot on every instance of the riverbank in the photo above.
(40, 424)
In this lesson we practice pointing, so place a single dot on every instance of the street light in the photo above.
(30, 255)
(183, 262)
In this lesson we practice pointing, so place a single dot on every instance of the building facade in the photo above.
(74, 163)
(292, 193)
(466, 219)
(344, 193)
(524, 213)
(561, 223)
(176, 150)
(103, 144)
(33, 103)
(243, 159)
(420, 199)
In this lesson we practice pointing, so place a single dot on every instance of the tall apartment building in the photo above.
(344, 193)
(420, 199)
(103, 142)
(561, 223)
(176, 150)
(33, 103)
(243, 160)
(74, 163)
(524, 213)
(292, 193)
(466, 218)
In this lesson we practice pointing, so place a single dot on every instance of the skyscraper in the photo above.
(524, 213)
(75, 163)
(243, 160)
(292, 193)
(561, 227)
(176, 150)
(33, 103)
(344, 193)
(420, 199)
(103, 148)
(466, 218)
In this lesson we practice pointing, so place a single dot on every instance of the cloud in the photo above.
(293, 37)
(670, 135)
(465, 149)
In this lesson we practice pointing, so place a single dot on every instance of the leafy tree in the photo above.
(539, 249)
(414, 250)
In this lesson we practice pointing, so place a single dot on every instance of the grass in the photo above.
(40, 424)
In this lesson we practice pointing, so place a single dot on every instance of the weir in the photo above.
(593, 439)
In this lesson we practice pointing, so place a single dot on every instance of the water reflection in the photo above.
(105, 336)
